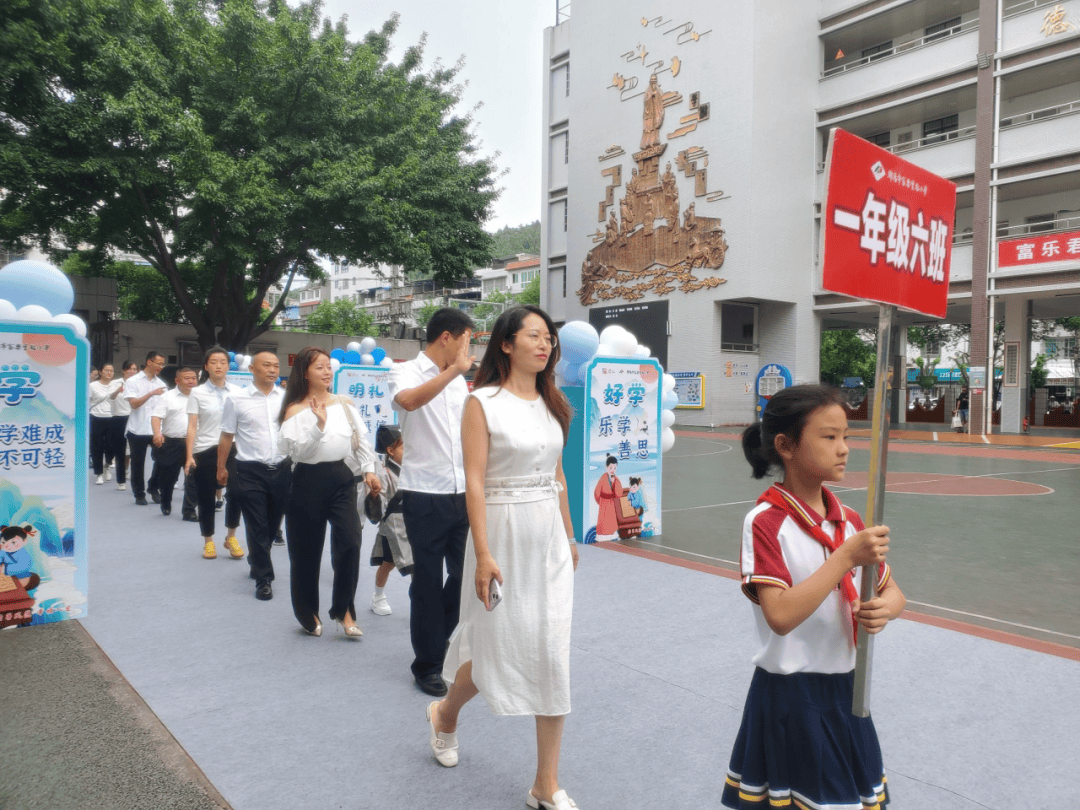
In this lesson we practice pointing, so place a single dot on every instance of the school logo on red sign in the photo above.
(1039, 249)
(887, 228)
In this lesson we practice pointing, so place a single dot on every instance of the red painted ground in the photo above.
(928, 446)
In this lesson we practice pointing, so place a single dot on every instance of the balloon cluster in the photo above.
(38, 292)
(580, 343)
(364, 353)
(239, 362)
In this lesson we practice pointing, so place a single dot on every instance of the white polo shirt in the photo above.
(432, 434)
(777, 553)
(171, 409)
(252, 418)
(207, 401)
(101, 405)
(139, 420)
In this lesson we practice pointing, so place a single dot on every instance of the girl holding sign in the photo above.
(802, 558)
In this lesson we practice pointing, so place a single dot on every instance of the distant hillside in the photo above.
(521, 239)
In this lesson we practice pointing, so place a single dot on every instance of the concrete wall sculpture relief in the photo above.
(634, 255)
(649, 243)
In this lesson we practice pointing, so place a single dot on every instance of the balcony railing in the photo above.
(902, 48)
(931, 140)
(1041, 115)
(1049, 226)
(1024, 6)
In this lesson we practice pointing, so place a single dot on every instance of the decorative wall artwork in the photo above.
(635, 256)
(647, 242)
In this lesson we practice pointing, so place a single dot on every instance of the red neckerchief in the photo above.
(810, 522)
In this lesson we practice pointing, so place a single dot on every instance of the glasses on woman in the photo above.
(536, 337)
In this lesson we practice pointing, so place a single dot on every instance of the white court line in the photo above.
(669, 550)
(711, 453)
(992, 619)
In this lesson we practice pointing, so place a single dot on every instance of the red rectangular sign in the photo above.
(887, 227)
(1039, 249)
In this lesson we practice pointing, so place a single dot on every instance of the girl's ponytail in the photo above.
(786, 413)
(754, 451)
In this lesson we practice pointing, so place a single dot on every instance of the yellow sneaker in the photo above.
(209, 552)
(233, 546)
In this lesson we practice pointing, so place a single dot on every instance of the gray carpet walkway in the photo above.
(660, 663)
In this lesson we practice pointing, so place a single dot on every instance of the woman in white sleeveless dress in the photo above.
(515, 653)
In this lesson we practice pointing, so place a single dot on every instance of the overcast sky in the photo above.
(502, 42)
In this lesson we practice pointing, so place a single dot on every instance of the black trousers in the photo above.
(100, 449)
(138, 444)
(116, 446)
(437, 526)
(191, 494)
(322, 493)
(262, 492)
(168, 461)
(206, 487)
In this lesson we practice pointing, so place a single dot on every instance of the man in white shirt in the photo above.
(429, 393)
(139, 391)
(263, 473)
(169, 423)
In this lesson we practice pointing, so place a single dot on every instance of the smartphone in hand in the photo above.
(494, 594)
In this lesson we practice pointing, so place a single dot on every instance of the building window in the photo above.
(1061, 347)
(876, 52)
(933, 348)
(882, 139)
(566, 148)
(938, 130)
(513, 278)
(565, 215)
(1037, 223)
(568, 80)
(941, 30)
(738, 327)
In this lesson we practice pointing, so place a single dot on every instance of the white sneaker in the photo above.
(121, 487)
(108, 473)
(379, 605)
(99, 480)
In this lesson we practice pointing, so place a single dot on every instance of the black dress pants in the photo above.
(99, 439)
(206, 487)
(191, 494)
(168, 461)
(262, 491)
(138, 444)
(437, 526)
(116, 446)
(322, 493)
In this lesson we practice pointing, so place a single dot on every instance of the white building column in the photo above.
(1014, 399)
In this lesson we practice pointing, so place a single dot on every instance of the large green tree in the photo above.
(238, 136)
(847, 353)
(341, 317)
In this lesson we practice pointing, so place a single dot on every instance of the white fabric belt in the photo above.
(523, 488)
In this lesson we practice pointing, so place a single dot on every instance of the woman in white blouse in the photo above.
(324, 435)
(103, 392)
(206, 404)
(116, 437)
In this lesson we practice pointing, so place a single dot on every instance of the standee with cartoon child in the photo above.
(799, 742)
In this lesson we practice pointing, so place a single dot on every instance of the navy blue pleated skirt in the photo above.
(800, 746)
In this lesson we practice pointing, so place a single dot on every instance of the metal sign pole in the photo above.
(875, 499)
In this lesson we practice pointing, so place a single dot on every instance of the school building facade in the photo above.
(684, 173)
